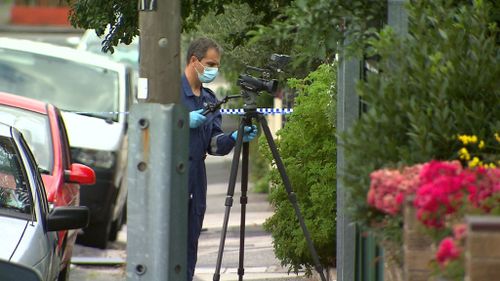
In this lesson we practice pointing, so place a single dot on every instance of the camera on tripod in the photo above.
(250, 83)
(250, 87)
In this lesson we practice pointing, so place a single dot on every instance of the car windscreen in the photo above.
(15, 196)
(35, 128)
(128, 54)
(123, 53)
(71, 86)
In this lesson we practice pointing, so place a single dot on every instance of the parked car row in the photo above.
(63, 145)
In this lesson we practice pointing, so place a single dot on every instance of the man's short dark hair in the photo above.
(199, 48)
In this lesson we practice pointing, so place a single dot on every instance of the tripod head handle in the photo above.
(210, 108)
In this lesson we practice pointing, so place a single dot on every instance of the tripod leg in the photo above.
(229, 199)
(291, 195)
(243, 202)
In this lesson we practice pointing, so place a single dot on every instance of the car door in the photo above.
(70, 191)
(51, 238)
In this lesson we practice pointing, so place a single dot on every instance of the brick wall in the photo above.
(482, 248)
(418, 249)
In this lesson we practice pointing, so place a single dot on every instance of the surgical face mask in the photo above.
(208, 75)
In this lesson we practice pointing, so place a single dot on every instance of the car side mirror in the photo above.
(43, 171)
(13, 272)
(80, 173)
(64, 218)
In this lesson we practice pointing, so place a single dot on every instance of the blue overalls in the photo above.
(207, 138)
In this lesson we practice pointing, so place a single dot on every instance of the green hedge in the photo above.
(307, 145)
(439, 81)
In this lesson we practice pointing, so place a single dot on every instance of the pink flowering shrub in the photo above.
(450, 254)
(388, 188)
(447, 190)
(441, 190)
(443, 186)
(448, 250)
(485, 194)
(451, 248)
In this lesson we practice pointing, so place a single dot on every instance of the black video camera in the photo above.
(263, 83)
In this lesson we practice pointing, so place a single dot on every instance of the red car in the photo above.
(43, 128)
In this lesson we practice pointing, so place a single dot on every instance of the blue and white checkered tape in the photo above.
(226, 111)
(266, 111)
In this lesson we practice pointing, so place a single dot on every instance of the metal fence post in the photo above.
(347, 112)
(158, 195)
(398, 16)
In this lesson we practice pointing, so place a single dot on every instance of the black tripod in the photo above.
(251, 113)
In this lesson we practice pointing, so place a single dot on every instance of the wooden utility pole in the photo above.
(160, 27)
(158, 152)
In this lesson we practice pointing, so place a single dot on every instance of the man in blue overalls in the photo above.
(205, 134)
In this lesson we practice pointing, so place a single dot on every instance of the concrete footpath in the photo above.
(259, 260)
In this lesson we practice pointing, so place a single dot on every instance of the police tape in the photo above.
(265, 111)
(92, 113)
(225, 111)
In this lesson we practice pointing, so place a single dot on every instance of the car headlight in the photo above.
(95, 158)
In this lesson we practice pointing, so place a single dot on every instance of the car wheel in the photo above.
(96, 235)
(64, 274)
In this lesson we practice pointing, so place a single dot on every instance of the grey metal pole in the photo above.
(398, 16)
(347, 113)
(158, 195)
(158, 152)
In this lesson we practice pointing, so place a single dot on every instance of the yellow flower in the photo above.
(481, 144)
(464, 154)
(497, 137)
(463, 139)
(466, 139)
(474, 162)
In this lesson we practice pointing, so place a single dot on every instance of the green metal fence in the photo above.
(369, 261)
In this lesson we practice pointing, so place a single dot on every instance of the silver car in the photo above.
(28, 224)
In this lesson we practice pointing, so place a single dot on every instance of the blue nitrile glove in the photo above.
(248, 135)
(196, 118)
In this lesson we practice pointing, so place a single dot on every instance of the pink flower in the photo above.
(486, 186)
(400, 198)
(435, 169)
(459, 231)
(447, 251)
(388, 188)
(444, 187)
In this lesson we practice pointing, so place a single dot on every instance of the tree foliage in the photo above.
(439, 81)
(97, 14)
(308, 150)
(317, 28)
(310, 30)
(228, 30)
